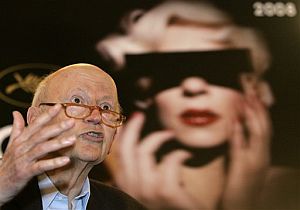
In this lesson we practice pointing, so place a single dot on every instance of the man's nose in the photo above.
(193, 86)
(94, 118)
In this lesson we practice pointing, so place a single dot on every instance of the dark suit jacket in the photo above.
(102, 198)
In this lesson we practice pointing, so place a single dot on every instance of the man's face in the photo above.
(90, 86)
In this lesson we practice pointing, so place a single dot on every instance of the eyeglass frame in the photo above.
(91, 108)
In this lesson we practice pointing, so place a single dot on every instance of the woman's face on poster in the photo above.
(200, 114)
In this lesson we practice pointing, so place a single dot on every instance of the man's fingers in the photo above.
(18, 126)
(44, 148)
(50, 164)
(44, 134)
(41, 121)
(54, 130)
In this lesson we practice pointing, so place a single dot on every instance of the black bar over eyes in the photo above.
(166, 70)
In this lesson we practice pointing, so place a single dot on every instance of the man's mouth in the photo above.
(194, 117)
(93, 136)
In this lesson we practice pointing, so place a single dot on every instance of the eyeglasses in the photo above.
(81, 111)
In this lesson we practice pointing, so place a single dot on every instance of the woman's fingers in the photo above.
(125, 167)
(256, 113)
(130, 135)
(170, 169)
(237, 142)
(258, 125)
(148, 147)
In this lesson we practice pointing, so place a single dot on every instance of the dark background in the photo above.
(61, 32)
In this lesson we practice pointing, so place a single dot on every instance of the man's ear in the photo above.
(32, 114)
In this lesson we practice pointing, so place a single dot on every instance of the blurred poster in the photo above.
(39, 36)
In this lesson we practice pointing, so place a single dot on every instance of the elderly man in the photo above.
(71, 126)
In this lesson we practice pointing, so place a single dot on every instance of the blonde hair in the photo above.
(143, 30)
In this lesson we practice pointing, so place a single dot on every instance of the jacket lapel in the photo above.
(30, 197)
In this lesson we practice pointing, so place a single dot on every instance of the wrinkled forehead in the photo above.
(93, 81)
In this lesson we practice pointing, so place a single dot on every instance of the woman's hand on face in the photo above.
(136, 171)
(27, 146)
(249, 156)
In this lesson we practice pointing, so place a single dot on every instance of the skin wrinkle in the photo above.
(70, 181)
(42, 91)
(88, 100)
(54, 143)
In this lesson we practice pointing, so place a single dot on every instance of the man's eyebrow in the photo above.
(77, 91)
(106, 97)
(111, 99)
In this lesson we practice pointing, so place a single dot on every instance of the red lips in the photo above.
(195, 117)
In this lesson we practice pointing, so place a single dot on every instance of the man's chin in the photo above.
(86, 156)
(89, 158)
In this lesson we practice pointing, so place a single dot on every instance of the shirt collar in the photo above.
(49, 191)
